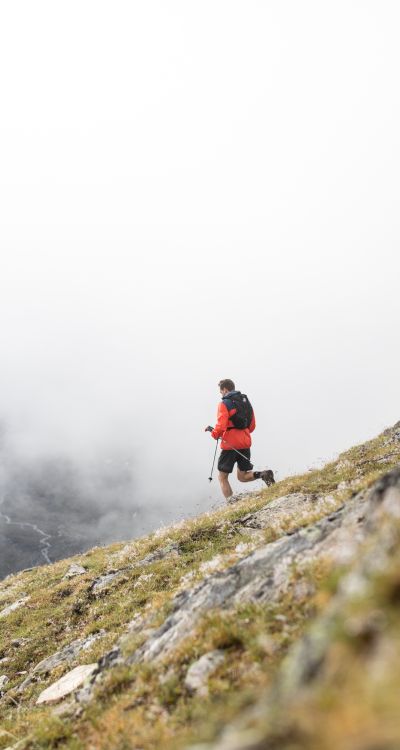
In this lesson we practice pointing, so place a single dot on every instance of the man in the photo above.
(235, 423)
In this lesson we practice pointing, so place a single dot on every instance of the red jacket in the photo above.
(234, 438)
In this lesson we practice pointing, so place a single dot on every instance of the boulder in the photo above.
(75, 570)
(67, 684)
(199, 672)
(66, 654)
(15, 605)
(159, 554)
(101, 584)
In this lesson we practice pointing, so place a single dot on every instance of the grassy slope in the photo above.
(146, 706)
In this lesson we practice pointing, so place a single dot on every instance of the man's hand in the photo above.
(209, 429)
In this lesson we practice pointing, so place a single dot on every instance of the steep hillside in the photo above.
(272, 623)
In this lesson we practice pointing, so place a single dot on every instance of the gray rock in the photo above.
(103, 583)
(3, 681)
(67, 684)
(15, 605)
(68, 653)
(109, 660)
(303, 667)
(276, 513)
(18, 642)
(75, 570)
(199, 672)
(158, 554)
(65, 655)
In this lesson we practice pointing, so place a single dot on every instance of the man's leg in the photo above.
(246, 476)
(225, 486)
(226, 463)
(249, 476)
(245, 471)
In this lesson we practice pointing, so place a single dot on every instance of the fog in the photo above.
(192, 192)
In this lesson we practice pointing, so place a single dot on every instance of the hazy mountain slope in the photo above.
(196, 633)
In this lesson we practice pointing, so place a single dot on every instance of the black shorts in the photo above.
(228, 459)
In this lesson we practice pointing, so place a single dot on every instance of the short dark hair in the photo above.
(229, 384)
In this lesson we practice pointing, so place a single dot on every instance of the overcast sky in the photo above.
(191, 191)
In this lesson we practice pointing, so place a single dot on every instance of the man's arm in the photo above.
(252, 426)
(222, 421)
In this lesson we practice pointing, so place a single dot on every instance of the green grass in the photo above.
(147, 704)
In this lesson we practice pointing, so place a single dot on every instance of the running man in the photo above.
(235, 423)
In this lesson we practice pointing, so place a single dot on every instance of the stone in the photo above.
(109, 660)
(75, 570)
(66, 654)
(102, 583)
(236, 498)
(275, 514)
(67, 684)
(15, 605)
(212, 565)
(199, 672)
(158, 554)
(17, 642)
(3, 681)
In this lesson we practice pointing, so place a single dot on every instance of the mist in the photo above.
(190, 193)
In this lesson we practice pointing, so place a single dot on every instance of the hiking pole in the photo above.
(210, 477)
(236, 451)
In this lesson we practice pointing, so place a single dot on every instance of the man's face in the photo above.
(223, 391)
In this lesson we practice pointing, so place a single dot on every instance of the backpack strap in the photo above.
(229, 403)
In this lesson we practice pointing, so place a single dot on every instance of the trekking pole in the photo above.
(236, 451)
(210, 477)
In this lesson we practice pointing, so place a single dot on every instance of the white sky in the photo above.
(191, 191)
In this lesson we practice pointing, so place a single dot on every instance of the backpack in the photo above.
(244, 410)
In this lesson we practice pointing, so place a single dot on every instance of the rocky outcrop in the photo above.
(268, 722)
(275, 514)
(262, 576)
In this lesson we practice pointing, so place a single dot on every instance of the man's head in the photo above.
(225, 386)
